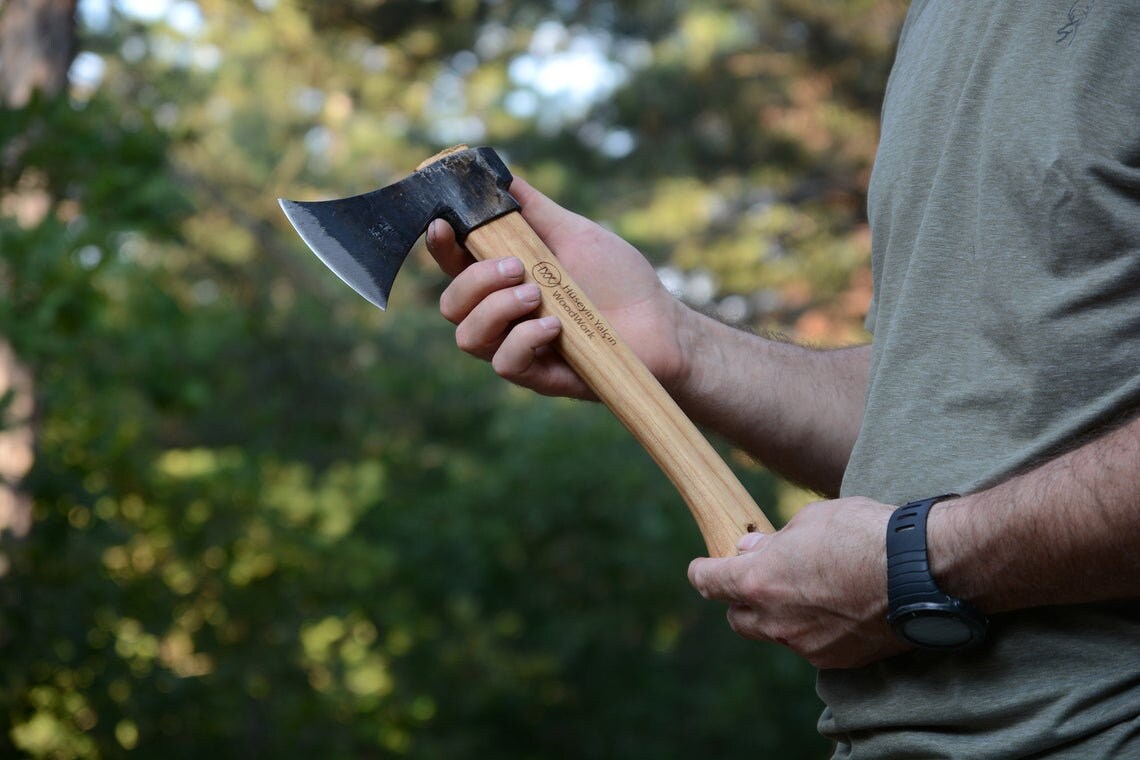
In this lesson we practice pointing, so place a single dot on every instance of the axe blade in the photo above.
(351, 237)
(365, 239)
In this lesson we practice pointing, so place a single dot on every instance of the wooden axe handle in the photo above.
(723, 509)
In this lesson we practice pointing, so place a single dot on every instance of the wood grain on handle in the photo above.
(723, 509)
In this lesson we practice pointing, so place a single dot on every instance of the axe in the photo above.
(365, 239)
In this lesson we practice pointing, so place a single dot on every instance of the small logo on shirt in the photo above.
(1079, 11)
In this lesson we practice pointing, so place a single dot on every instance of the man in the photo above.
(1005, 366)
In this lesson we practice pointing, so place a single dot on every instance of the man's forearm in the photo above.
(794, 408)
(1065, 532)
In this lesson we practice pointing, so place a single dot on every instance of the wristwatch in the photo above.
(920, 613)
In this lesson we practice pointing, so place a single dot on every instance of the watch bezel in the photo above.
(972, 623)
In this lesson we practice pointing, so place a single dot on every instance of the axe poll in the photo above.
(366, 238)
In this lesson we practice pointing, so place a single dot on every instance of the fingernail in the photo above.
(511, 267)
(527, 293)
(550, 323)
(433, 231)
(749, 541)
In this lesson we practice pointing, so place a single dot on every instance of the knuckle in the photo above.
(750, 586)
(736, 624)
(814, 509)
(447, 309)
(505, 365)
(743, 624)
(818, 656)
(467, 341)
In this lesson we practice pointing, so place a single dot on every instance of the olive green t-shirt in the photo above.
(1005, 216)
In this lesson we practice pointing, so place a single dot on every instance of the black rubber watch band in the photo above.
(921, 613)
(908, 570)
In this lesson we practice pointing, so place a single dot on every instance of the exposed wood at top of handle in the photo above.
(722, 508)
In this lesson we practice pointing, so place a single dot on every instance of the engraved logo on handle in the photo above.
(546, 275)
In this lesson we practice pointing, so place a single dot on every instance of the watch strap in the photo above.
(908, 570)
(919, 610)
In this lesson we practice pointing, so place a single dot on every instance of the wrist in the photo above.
(946, 530)
(697, 351)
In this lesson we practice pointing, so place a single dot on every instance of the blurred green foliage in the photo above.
(271, 521)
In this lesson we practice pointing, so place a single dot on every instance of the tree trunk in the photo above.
(37, 44)
(17, 443)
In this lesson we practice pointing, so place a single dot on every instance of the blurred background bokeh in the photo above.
(245, 514)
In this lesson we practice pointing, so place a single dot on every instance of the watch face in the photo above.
(937, 631)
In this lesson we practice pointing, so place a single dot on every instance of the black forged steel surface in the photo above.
(365, 239)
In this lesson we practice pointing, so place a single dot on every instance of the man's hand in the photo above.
(490, 303)
(794, 408)
(818, 586)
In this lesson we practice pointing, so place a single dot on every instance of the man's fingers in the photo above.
(524, 345)
(717, 578)
(445, 249)
(476, 283)
(749, 623)
(541, 213)
(724, 578)
(544, 216)
(750, 541)
(485, 329)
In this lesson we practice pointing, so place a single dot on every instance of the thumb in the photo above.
(715, 577)
(749, 541)
(541, 213)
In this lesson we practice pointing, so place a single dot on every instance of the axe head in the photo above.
(365, 239)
